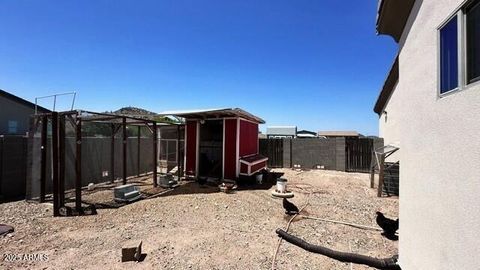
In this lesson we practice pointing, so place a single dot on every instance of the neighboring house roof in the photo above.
(345, 133)
(282, 130)
(387, 89)
(392, 16)
(215, 113)
(22, 101)
(306, 133)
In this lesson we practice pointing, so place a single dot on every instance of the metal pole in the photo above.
(124, 127)
(73, 101)
(78, 167)
(155, 153)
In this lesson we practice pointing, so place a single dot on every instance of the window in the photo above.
(459, 48)
(473, 42)
(12, 127)
(449, 56)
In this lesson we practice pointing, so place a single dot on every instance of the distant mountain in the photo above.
(134, 111)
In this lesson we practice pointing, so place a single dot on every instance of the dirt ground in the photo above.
(201, 228)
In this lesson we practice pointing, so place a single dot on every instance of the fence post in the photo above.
(138, 151)
(43, 158)
(112, 153)
(78, 166)
(61, 160)
(372, 170)
(56, 211)
(155, 152)
(124, 161)
(381, 175)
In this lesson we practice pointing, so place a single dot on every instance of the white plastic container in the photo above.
(281, 185)
(259, 178)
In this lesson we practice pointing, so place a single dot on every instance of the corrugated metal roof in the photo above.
(282, 130)
(215, 113)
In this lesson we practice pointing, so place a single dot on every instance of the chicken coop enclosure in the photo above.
(72, 153)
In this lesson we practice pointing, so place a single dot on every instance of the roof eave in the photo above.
(221, 113)
(387, 89)
(392, 16)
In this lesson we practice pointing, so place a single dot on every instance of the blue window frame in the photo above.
(449, 56)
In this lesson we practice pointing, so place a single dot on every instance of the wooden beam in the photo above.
(138, 150)
(381, 174)
(43, 158)
(61, 160)
(112, 153)
(155, 152)
(372, 170)
(56, 207)
(179, 168)
(124, 142)
(78, 166)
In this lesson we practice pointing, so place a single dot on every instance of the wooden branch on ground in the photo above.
(384, 264)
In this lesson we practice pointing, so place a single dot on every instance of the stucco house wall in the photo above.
(14, 111)
(389, 125)
(440, 151)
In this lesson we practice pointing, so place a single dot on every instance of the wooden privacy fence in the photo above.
(273, 149)
(358, 154)
(349, 154)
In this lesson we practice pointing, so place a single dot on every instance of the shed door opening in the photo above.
(210, 149)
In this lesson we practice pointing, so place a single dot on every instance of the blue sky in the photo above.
(315, 64)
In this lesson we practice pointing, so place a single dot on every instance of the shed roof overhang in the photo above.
(214, 113)
(387, 89)
(392, 16)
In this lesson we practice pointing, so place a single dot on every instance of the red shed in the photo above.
(221, 143)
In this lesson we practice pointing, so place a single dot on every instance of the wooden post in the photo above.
(381, 175)
(372, 177)
(43, 158)
(138, 151)
(179, 168)
(155, 152)
(372, 170)
(124, 159)
(112, 154)
(56, 207)
(61, 160)
(78, 167)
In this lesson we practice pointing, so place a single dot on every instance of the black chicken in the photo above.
(389, 226)
(290, 208)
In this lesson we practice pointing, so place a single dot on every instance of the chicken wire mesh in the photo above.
(101, 156)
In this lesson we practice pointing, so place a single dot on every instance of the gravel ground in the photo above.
(200, 228)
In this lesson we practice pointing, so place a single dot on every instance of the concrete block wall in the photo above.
(311, 152)
(340, 154)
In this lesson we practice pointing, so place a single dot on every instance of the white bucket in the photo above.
(259, 178)
(281, 185)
